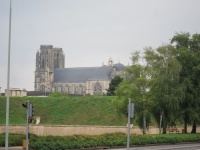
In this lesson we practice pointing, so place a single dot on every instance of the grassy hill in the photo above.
(88, 110)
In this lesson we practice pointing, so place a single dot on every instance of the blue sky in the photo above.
(89, 31)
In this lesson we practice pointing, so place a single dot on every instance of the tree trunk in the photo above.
(160, 126)
(144, 118)
(194, 127)
(144, 124)
(164, 126)
(185, 122)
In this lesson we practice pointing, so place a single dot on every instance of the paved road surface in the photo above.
(195, 146)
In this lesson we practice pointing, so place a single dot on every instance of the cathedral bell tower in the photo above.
(110, 62)
(47, 59)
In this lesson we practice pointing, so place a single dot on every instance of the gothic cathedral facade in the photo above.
(47, 59)
(51, 74)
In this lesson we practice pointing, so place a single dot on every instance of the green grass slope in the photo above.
(88, 110)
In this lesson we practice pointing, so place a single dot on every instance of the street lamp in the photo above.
(8, 81)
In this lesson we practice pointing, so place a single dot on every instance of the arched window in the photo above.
(42, 63)
(73, 89)
(66, 89)
(81, 89)
(84, 90)
(56, 88)
(97, 89)
(69, 89)
(61, 89)
(76, 90)
(55, 60)
(42, 88)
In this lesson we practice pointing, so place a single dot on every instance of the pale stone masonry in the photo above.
(47, 59)
(64, 130)
(16, 92)
(51, 74)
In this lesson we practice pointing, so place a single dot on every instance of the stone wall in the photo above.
(85, 130)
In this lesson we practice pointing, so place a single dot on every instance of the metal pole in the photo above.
(128, 134)
(27, 125)
(8, 81)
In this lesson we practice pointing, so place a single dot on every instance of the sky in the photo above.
(88, 31)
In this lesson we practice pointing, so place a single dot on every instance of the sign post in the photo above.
(130, 115)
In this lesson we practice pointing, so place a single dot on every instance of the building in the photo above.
(47, 59)
(16, 92)
(51, 74)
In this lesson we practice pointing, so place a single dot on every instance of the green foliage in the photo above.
(154, 85)
(113, 85)
(94, 141)
(136, 86)
(109, 140)
(166, 89)
(14, 139)
(82, 110)
(189, 56)
(139, 120)
(58, 94)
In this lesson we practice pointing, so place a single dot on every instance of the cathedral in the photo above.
(51, 74)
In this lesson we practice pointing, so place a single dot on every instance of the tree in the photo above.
(136, 87)
(165, 89)
(189, 56)
(113, 85)
(170, 77)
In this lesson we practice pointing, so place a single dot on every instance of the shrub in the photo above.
(92, 141)
(58, 94)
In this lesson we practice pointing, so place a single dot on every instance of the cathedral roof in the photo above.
(119, 67)
(82, 74)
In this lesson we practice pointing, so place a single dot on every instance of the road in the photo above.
(195, 146)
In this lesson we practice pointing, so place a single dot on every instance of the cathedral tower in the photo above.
(47, 59)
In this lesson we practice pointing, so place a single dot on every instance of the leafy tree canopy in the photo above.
(113, 85)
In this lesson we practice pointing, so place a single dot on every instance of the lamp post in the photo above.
(8, 80)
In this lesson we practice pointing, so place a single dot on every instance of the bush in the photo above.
(111, 140)
(92, 141)
(14, 139)
(58, 94)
